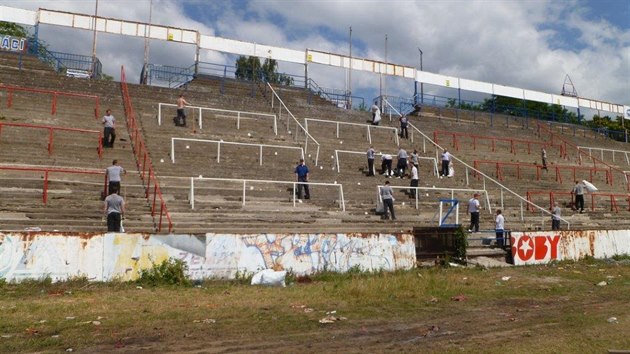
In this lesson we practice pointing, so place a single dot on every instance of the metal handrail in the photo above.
(435, 171)
(143, 160)
(501, 186)
(48, 170)
(54, 94)
(591, 148)
(306, 133)
(342, 202)
(368, 126)
(51, 129)
(452, 190)
(219, 142)
(238, 115)
(580, 152)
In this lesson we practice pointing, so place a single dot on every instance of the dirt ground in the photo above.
(558, 309)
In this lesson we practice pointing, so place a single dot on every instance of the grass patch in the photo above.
(553, 308)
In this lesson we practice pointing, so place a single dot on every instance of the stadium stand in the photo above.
(229, 173)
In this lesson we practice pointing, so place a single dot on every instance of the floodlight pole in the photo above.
(147, 33)
(421, 83)
(349, 99)
(94, 39)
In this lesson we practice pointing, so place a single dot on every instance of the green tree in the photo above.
(250, 68)
(12, 29)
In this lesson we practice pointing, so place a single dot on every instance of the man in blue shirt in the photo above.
(301, 171)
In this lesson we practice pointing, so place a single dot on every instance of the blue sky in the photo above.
(532, 44)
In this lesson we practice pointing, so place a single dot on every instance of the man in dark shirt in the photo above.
(301, 171)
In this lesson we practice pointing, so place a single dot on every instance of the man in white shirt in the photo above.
(109, 131)
(386, 165)
(499, 227)
(473, 209)
(446, 158)
(376, 114)
(413, 192)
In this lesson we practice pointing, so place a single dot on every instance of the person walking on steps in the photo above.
(180, 120)
(387, 195)
(543, 154)
(473, 208)
(446, 159)
(376, 114)
(114, 209)
(109, 130)
(301, 172)
(578, 190)
(404, 122)
(114, 173)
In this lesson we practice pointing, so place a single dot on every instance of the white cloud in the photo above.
(529, 44)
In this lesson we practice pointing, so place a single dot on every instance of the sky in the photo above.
(532, 44)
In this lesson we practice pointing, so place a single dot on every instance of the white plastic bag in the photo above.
(270, 277)
(589, 186)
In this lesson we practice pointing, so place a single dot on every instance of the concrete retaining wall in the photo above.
(103, 257)
(546, 246)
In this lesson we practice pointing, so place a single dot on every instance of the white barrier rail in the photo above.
(297, 123)
(368, 126)
(485, 176)
(239, 115)
(601, 150)
(219, 142)
(342, 202)
(452, 190)
(364, 153)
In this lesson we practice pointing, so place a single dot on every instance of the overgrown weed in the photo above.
(169, 272)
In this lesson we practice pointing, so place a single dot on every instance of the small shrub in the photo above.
(621, 257)
(170, 272)
(461, 243)
(243, 277)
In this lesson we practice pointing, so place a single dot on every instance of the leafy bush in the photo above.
(170, 272)
(461, 243)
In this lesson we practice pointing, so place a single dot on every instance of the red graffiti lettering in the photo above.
(538, 247)
(525, 247)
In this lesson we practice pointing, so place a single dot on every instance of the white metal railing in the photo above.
(501, 186)
(391, 108)
(239, 115)
(342, 202)
(452, 190)
(367, 126)
(601, 150)
(435, 166)
(297, 123)
(220, 142)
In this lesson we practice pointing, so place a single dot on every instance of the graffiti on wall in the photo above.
(547, 246)
(122, 256)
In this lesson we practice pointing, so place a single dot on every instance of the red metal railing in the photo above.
(500, 165)
(48, 170)
(581, 153)
(602, 195)
(55, 94)
(514, 142)
(51, 130)
(143, 160)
